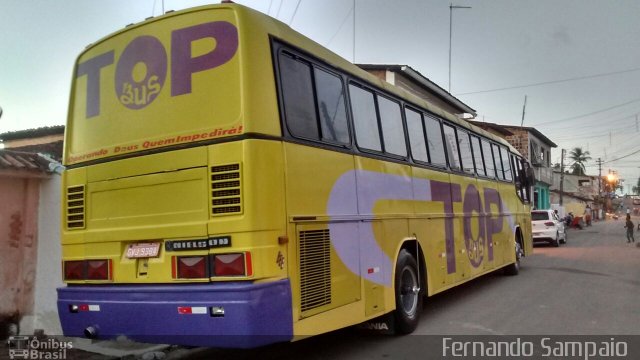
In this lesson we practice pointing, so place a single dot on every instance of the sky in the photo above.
(577, 62)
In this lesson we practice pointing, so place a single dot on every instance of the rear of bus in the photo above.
(174, 224)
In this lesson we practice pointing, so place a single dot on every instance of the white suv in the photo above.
(548, 227)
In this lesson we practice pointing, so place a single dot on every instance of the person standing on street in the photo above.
(629, 226)
(587, 215)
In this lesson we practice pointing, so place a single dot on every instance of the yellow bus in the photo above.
(231, 183)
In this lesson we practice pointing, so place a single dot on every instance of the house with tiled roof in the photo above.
(29, 224)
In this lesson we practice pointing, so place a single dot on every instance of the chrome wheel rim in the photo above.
(409, 291)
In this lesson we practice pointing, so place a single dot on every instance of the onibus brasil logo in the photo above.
(30, 347)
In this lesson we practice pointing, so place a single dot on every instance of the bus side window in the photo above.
(451, 144)
(364, 118)
(465, 151)
(415, 128)
(297, 94)
(488, 159)
(434, 141)
(498, 162)
(506, 165)
(477, 155)
(392, 128)
(331, 107)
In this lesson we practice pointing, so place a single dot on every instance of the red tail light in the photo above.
(99, 269)
(550, 223)
(229, 265)
(88, 270)
(74, 270)
(192, 267)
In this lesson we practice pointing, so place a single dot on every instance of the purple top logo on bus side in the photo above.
(355, 242)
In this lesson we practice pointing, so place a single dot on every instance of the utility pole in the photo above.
(524, 107)
(599, 162)
(451, 7)
(562, 176)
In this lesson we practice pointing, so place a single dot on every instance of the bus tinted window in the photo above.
(451, 144)
(434, 141)
(392, 129)
(299, 104)
(331, 107)
(506, 165)
(497, 161)
(488, 158)
(465, 151)
(416, 135)
(364, 118)
(477, 156)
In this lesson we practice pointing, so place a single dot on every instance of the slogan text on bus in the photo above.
(142, 66)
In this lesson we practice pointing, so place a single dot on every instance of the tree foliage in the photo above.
(579, 158)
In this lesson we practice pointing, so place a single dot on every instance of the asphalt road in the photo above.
(589, 286)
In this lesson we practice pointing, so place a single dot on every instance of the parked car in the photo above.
(547, 227)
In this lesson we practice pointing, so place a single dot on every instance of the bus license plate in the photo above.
(143, 250)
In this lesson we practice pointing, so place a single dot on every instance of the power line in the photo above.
(588, 114)
(344, 21)
(549, 82)
(294, 12)
(622, 157)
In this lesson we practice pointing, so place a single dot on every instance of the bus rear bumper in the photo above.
(229, 314)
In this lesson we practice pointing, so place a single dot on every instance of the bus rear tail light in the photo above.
(549, 223)
(98, 269)
(192, 267)
(74, 270)
(238, 264)
(88, 270)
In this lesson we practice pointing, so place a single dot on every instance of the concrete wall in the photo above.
(48, 270)
(18, 244)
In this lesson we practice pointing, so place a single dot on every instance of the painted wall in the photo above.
(48, 271)
(18, 241)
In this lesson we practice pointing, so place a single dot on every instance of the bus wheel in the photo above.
(514, 269)
(408, 294)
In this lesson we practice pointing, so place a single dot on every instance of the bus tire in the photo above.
(408, 294)
(514, 269)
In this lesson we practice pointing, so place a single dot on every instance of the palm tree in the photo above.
(579, 158)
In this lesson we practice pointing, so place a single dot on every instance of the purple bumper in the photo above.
(254, 314)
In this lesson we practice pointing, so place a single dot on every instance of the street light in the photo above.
(451, 7)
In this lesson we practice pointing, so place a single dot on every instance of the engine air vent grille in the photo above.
(75, 201)
(226, 190)
(315, 269)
